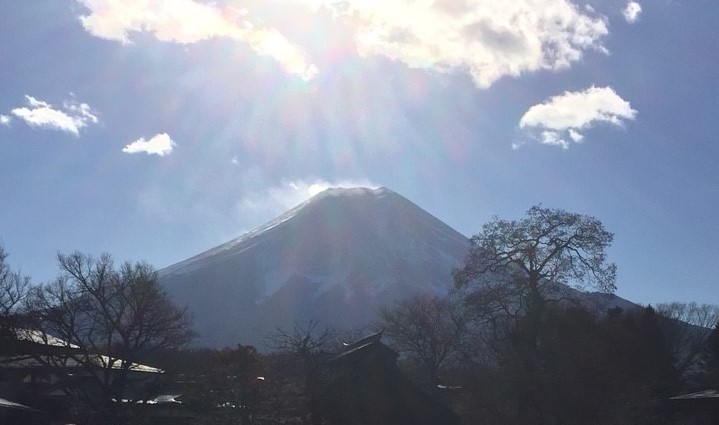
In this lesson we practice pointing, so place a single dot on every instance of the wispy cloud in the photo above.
(489, 39)
(631, 11)
(70, 117)
(189, 21)
(160, 144)
(5, 119)
(275, 200)
(561, 119)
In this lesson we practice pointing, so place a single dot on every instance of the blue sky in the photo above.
(157, 129)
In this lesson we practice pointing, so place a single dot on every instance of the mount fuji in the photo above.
(337, 258)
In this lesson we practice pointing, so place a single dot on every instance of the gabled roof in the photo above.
(375, 337)
(706, 394)
(368, 344)
(20, 341)
(42, 338)
(37, 349)
(7, 404)
(32, 360)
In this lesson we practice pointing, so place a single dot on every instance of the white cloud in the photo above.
(160, 144)
(5, 119)
(575, 135)
(489, 39)
(71, 117)
(562, 117)
(276, 200)
(517, 144)
(190, 21)
(631, 11)
(553, 138)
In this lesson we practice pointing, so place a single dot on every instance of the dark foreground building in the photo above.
(700, 408)
(364, 386)
(46, 381)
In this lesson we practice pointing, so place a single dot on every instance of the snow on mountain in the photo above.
(338, 257)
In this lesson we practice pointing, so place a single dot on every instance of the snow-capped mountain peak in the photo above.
(338, 257)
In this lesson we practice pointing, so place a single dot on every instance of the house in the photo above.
(44, 379)
(16, 413)
(698, 408)
(365, 386)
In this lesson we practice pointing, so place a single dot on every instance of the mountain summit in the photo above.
(337, 257)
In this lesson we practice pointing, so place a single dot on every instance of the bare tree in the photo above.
(689, 327)
(110, 318)
(303, 346)
(426, 328)
(307, 339)
(14, 287)
(515, 265)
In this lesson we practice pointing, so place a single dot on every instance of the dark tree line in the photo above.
(518, 345)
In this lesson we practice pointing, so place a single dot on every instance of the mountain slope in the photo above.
(337, 257)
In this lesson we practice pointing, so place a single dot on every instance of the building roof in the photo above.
(42, 338)
(7, 404)
(371, 343)
(71, 361)
(375, 337)
(706, 394)
(37, 349)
